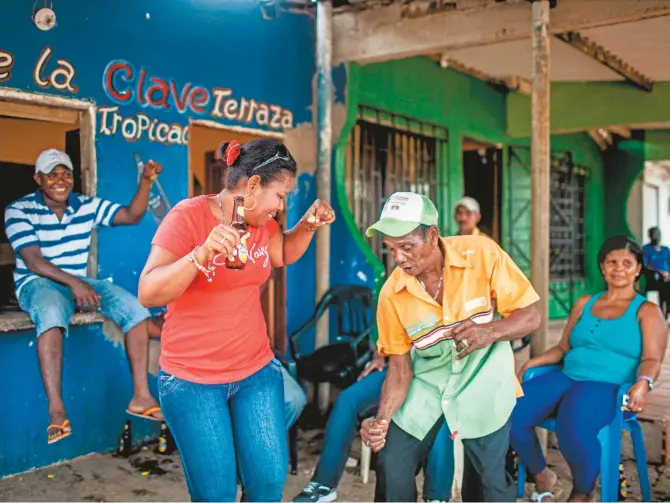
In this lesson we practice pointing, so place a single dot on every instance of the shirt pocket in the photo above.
(438, 350)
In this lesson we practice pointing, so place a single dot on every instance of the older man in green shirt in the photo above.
(448, 358)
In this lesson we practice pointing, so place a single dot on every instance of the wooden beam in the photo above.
(603, 56)
(38, 112)
(622, 131)
(540, 170)
(386, 33)
(593, 133)
(514, 84)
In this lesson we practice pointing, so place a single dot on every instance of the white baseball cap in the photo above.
(51, 159)
(402, 213)
(468, 203)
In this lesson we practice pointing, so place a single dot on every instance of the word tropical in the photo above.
(125, 85)
(136, 127)
(60, 78)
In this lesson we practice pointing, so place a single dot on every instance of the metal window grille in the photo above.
(387, 153)
(567, 231)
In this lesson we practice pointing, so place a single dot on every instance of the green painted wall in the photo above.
(625, 164)
(419, 88)
(657, 145)
(467, 107)
(585, 154)
(581, 106)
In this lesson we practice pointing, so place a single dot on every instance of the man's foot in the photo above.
(544, 486)
(59, 427)
(316, 492)
(146, 408)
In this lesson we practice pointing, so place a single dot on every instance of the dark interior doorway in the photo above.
(20, 182)
(482, 180)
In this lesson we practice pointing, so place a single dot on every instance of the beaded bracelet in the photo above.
(205, 270)
(309, 227)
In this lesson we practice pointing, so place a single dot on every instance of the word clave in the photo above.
(125, 85)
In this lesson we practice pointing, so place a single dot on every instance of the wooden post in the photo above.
(324, 90)
(540, 175)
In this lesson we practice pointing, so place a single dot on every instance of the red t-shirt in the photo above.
(215, 333)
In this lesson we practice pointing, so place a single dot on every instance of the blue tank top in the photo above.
(605, 350)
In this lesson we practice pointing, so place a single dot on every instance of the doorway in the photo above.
(208, 177)
(28, 126)
(482, 180)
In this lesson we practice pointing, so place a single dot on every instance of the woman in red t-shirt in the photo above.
(221, 390)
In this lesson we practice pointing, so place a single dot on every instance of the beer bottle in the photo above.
(166, 444)
(623, 484)
(240, 258)
(125, 445)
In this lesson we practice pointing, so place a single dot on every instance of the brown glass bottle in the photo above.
(240, 259)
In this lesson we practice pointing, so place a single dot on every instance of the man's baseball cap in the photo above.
(51, 159)
(468, 203)
(402, 213)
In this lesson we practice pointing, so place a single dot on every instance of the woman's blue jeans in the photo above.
(224, 431)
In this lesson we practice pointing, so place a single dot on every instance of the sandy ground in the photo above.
(146, 476)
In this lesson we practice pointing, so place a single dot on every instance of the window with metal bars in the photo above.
(388, 153)
(567, 231)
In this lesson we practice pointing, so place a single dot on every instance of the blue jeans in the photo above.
(226, 430)
(341, 431)
(584, 407)
(294, 398)
(51, 304)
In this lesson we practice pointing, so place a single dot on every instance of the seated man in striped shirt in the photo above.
(50, 231)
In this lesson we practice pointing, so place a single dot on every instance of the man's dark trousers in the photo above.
(484, 475)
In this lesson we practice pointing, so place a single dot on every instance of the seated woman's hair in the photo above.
(620, 243)
(265, 157)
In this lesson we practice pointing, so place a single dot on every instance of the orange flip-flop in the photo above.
(147, 414)
(63, 434)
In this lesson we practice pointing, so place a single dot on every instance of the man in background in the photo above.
(467, 215)
(657, 267)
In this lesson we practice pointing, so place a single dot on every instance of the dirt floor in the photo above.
(146, 476)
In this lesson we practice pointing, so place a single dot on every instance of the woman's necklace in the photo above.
(439, 286)
(223, 215)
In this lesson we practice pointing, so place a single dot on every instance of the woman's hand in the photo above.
(222, 240)
(638, 396)
(528, 365)
(377, 364)
(318, 215)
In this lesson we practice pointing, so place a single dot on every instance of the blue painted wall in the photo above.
(96, 388)
(192, 45)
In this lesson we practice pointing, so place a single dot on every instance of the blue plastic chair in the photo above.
(610, 441)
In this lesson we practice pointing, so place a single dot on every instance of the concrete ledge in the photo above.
(13, 321)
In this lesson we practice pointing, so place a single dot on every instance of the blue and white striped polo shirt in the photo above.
(65, 243)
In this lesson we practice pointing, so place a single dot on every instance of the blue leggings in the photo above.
(581, 408)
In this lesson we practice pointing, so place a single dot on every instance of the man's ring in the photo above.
(465, 343)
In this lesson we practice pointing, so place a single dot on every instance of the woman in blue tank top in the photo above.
(612, 338)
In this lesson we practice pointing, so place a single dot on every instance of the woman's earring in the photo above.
(255, 202)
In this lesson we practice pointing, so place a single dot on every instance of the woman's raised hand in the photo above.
(319, 214)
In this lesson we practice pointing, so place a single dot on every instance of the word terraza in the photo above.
(125, 85)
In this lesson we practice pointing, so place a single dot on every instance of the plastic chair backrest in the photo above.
(351, 312)
(351, 309)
